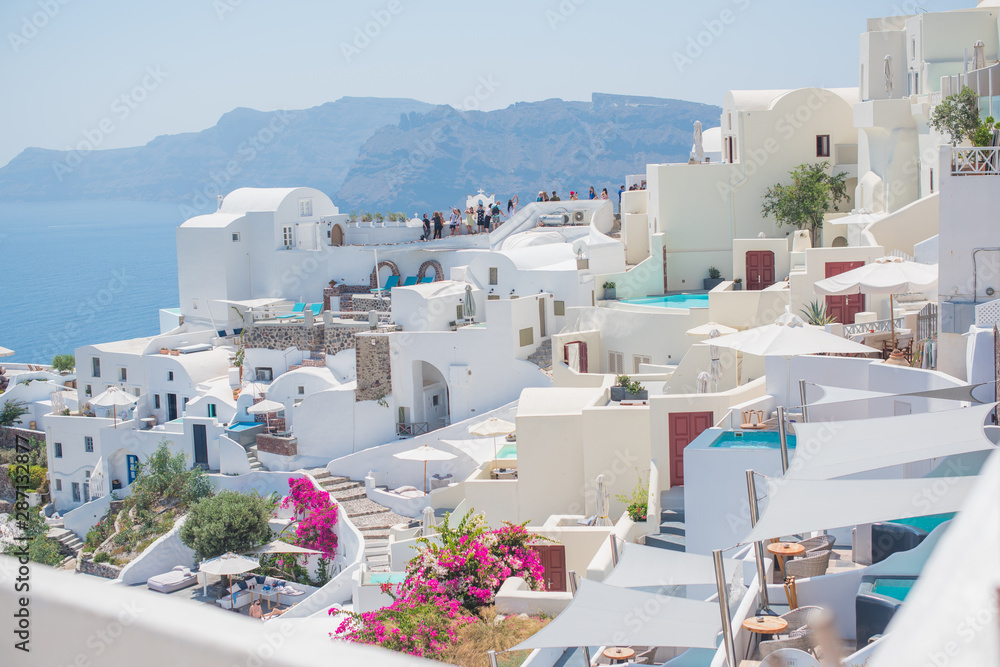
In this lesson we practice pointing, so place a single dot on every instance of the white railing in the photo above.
(878, 326)
(975, 161)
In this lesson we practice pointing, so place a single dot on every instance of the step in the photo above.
(75, 545)
(362, 507)
(672, 516)
(374, 532)
(334, 487)
(350, 495)
(375, 561)
(318, 473)
(385, 519)
(384, 551)
(669, 542)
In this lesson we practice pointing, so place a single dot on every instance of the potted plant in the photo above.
(713, 280)
(164, 350)
(609, 291)
(737, 284)
(627, 389)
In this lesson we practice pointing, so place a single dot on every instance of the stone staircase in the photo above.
(255, 464)
(372, 519)
(69, 542)
(672, 532)
(542, 356)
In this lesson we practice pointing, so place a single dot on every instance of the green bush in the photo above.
(63, 362)
(229, 521)
(37, 477)
(101, 557)
(11, 412)
(164, 478)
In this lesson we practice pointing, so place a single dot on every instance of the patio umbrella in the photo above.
(266, 407)
(282, 547)
(603, 502)
(703, 380)
(886, 275)
(887, 71)
(4, 352)
(707, 329)
(493, 427)
(699, 145)
(229, 564)
(113, 398)
(424, 453)
(469, 305)
(978, 55)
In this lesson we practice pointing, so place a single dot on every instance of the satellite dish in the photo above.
(580, 248)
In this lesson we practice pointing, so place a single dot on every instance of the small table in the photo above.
(785, 550)
(764, 625)
(618, 654)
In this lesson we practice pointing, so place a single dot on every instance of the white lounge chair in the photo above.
(168, 582)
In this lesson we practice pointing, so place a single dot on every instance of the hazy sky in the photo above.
(122, 72)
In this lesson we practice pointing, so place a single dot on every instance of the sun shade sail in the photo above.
(950, 616)
(802, 505)
(648, 567)
(825, 450)
(844, 394)
(603, 615)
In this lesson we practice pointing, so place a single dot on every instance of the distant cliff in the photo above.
(370, 153)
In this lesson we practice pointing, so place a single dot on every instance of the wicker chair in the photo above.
(811, 566)
(801, 617)
(800, 634)
(818, 543)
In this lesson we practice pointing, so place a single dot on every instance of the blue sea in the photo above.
(79, 273)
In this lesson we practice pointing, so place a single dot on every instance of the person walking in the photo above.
(592, 194)
(438, 224)
(620, 193)
(427, 228)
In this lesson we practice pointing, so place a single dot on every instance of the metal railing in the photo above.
(411, 429)
(878, 326)
(927, 322)
(983, 161)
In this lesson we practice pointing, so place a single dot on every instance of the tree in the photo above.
(12, 412)
(164, 478)
(957, 116)
(806, 200)
(64, 362)
(230, 521)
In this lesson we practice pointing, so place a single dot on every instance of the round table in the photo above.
(619, 653)
(785, 550)
(764, 625)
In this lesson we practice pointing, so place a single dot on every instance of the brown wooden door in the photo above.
(553, 557)
(684, 428)
(760, 269)
(844, 308)
(581, 356)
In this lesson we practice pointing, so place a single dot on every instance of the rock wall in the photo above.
(362, 304)
(284, 336)
(106, 570)
(374, 376)
(275, 445)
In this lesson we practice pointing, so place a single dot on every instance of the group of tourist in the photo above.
(573, 195)
(477, 219)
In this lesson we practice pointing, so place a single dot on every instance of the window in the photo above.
(58, 485)
(88, 443)
(640, 359)
(76, 492)
(616, 362)
(156, 401)
(211, 410)
(86, 473)
(95, 363)
(170, 376)
(88, 391)
(58, 450)
(263, 374)
(527, 336)
(932, 180)
(236, 237)
(435, 400)
(123, 374)
(302, 390)
(137, 392)
(459, 313)
(287, 237)
(493, 276)
(305, 208)
(822, 145)
(559, 308)
(913, 48)
(184, 404)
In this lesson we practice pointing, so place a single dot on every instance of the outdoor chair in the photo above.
(811, 566)
(427, 279)
(392, 281)
(296, 311)
(799, 639)
(412, 280)
(316, 308)
(789, 657)
(818, 543)
(802, 617)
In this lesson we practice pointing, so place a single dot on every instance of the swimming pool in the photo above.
(751, 440)
(893, 587)
(507, 452)
(242, 426)
(685, 301)
(379, 578)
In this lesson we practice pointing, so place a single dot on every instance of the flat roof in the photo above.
(539, 401)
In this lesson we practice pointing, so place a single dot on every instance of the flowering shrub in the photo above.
(445, 585)
(316, 516)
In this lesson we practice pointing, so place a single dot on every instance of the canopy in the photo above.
(844, 394)
(646, 567)
(846, 447)
(801, 505)
(886, 275)
(229, 564)
(958, 582)
(707, 329)
(281, 547)
(265, 407)
(861, 216)
(492, 427)
(603, 615)
(5, 352)
(113, 397)
(789, 336)
(424, 453)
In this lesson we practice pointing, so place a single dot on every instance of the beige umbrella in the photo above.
(229, 564)
(4, 352)
(424, 453)
(266, 407)
(282, 547)
(113, 398)
(707, 329)
(493, 427)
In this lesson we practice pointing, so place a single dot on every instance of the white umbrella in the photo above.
(469, 305)
(699, 146)
(229, 564)
(493, 427)
(703, 380)
(603, 502)
(266, 407)
(887, 71)
(4, 352)
(424, 453)
(886, 275)
(978, 55)
(113, 398)
(707, 329)
(282, 547)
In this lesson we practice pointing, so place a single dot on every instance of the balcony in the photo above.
(975, 161)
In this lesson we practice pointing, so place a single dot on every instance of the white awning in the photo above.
(603, 615)
(824, 450)
(952, 610)
(802, 505)
(648, 567)
(845, 394)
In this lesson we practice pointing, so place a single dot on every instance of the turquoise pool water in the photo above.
(242, 426)
(927, 523)
(386, 577)
(507, 452)
(897, 589)
(751, 440)
(672, 301)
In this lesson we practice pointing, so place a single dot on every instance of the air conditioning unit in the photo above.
(554, 220)
(579, 216)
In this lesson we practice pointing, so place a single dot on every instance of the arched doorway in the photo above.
(337, 235)
(373, 279)
(839, 242)
(431, 264)
(431, 397)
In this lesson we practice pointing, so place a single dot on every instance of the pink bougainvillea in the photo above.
(315, 514)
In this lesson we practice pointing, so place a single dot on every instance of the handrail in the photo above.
(975, 161)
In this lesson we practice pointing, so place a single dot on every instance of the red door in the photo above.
(684, 428)
(581, 356)
(760, 269)
(553, 557)
(844, 308)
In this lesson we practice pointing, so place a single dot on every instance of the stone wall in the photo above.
(339, 338)
(10, 435)
(274, 445)
(106, 570)
(374, 376)
(362, 304)
(284, 336)
(338, 297)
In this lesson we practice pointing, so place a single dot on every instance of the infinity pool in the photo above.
(751, 440)
(685, 301)
(894, 588)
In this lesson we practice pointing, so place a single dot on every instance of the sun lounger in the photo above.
(168, 582)
(412, 280)
(296, 310)
(316, 308)
(389, 284)
(427, 279)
